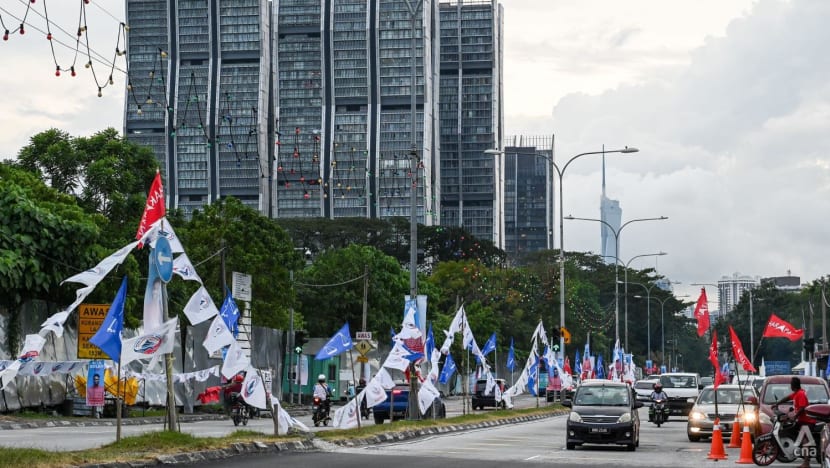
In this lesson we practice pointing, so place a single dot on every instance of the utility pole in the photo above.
(365, 311)
(292, 374)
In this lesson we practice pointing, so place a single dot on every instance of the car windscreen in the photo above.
(678, 381)
(726, 396)
(644, 385)
(816, 393)
(602, 396)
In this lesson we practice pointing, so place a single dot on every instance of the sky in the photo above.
(728, 102)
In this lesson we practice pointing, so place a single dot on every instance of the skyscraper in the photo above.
(610, 213)
(730, 290)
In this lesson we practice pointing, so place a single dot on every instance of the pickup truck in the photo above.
(682, 389)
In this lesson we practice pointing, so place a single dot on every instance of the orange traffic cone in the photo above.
(735, 440)
(716, 452)
(746, 447)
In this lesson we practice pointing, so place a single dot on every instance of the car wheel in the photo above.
(693, 438)
(631, 447)
(378, 419)
(570, 446)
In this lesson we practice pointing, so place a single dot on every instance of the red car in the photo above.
(776, 387)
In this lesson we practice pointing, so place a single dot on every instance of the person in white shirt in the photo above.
(321, 389)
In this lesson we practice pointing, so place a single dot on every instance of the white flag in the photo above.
(31, 348)
(497, 391)
(397, 358)
(385, 379)
(200, 307)
(218, 336)
(153, 305)
(284, 420)
(426, 395)
(375, 393)
(54, 323)
(445, 347)
(491, 382)
(346, 416)
(94, 275)
(9, 373)
(151, 344)
(409, 329)
(185, 269)
(235, 361)
(152, 235)
(455, 325)
(253, 390)
(540, 332)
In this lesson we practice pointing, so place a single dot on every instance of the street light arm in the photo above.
(661, 218)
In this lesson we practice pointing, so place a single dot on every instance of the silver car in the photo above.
(643, 389)
(733, 403)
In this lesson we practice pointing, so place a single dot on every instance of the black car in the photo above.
(480, 400)
(603, 412)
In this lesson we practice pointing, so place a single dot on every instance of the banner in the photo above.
(95, 383)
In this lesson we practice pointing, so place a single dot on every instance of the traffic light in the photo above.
(554, 336)
(299, 340)
(809, 346)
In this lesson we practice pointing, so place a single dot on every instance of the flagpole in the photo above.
(354, 384)
(118, 404)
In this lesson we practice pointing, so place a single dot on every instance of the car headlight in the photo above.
(624, 418)
(575, 417)
(765, 419)
(690, 400)
(748, 417)
(697, 416)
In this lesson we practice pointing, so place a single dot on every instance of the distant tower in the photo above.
(611, 213)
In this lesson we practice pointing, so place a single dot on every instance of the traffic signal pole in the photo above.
(291, 371)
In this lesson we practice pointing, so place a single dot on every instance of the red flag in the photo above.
(154, 209)
(713, 358)
(777, 328)
(738, 352)
(702, 313)
(567, 367)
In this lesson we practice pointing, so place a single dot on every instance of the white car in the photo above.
(643, 389)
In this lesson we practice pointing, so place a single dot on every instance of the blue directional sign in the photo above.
(163, 259)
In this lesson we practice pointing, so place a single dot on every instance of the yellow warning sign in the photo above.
(363, 347)
(90, 319)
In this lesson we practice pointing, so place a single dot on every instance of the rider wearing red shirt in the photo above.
(800, 402)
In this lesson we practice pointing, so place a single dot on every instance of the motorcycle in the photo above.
(239, 410)
(320, 410)
(658, 412)
(784, 441)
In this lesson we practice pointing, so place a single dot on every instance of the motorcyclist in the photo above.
(323, 392)
(234, 385)
(656, 394)
(800, 402)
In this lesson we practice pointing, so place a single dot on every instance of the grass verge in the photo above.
(151, 445)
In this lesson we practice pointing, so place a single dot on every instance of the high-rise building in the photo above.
(528, 195)
(304, 108)
(730, 290)
(611, 215)
(472, 116)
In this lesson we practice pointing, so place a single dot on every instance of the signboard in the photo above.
(363, 347)
(241, 287)
(163, 259)
(90, 319)
(363, 335)
(362, 359)
(778, 367)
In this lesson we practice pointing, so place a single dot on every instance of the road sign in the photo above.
(363, 347)
(363, 335)
(362, 359)
(566, 335)
(163, 259)
(241, 287)
(90, 319)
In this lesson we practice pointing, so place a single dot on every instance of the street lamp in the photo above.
(648, 305)
(663, 322)
(616, 233)
(625, 292)
(560, 173)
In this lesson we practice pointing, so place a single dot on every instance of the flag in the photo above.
(489, 346)
(430, 342)
(397, 357)
(392, 331)
(150, 344)
(567, 367)
(94, 275)
(587, 352)
(540, 332)
(713, 358)
(384, 379)
(230, 313)
(409, 329)
(253, 389)
(154, 208)
(702, 313)
(426, 395)
(457, 321)
(577, 363)
(511, 357)
(108, 337)
(533, 375)
(346, 417)
(777, 328)
(341, 341)
(31, 348)
(375, 393)
(413, 356)
(200, 307)
(599, 372)
(218, 336)
(235, 361)
(185, 269)
(738, 352)
(284, 420)
(162, 228)
(448, 369)
(54, 323)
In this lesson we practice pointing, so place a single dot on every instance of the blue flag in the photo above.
(577, 363)
(412, 356)
(429, 345)
(108, 337)
(392, 331)
(230, 314)
(341, 341)
(600, 369)
(532, 375)
(490, 345)
(511, 357)
(447, 371)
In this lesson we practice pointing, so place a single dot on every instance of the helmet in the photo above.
(658, 387)
(321, 378)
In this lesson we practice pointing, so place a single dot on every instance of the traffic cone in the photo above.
(716, 452)
(746, 447)
(735, 440)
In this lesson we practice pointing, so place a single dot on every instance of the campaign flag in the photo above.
(540, 332)
(599, 371)
(154, 208)
(108, 337)
(230, 314)
(185, 269)
(413, 356)
(533, 375)
(375, 393)
(94, 275)
(409, 329)
(587, 352)
(489, 346)
(284, 420)
(426, 395)
(384, 379)
(778, 328)
(392, 331)
(218, 336)
(702, 313)
(577, 363)
(346, 417)
(567, 366)
(457, 321)
(235, 361)
(200, 307)
(430, 342)
(738, 352)
(713, 358)
(159, 229)
(54, 323)
(448, 369)
(341, 341)
(397, 357)
(151, 344)
(511, 357)
(253, 390)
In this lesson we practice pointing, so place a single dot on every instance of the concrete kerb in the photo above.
(312, 444)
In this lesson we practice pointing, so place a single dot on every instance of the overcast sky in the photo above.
(728, 102)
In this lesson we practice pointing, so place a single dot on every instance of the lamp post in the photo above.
(561, 173)
(663, 321)
(616, 233)
(648, 293)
